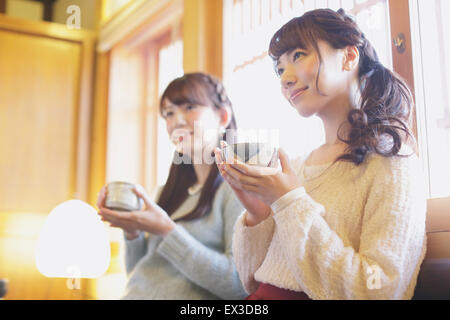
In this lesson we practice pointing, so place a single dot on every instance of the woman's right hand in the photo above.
(131, 232)
(257, 210)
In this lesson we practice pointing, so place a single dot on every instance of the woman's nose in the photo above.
(179, 119)
(288, 79)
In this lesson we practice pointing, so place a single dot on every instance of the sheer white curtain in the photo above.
(249, 76)
(431, 49)
(170, 67)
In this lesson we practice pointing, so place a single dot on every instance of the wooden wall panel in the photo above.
(39, 85)
(46, 84)
(46, 76)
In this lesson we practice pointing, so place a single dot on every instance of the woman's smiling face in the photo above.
(191, 127)
(307, 90)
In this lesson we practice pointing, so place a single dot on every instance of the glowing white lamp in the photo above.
(73, 243)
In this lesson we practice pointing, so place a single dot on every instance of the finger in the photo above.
(219, 162)
(223, 144)
(115, 225)
(227, 157)
(101, 197)
(242, 178)
(121, 223)
(218, 156)
(286, 166)
(239, 187)
(108, 219)
(104, 219)
(115, 214)
(252, 171)
(232, 182)
(141, 194)
(125, 226)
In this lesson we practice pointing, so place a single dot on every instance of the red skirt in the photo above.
(268, 292)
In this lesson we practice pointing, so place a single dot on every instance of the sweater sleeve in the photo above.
(250, 245)
(391, 244)
(134, 251)
(210, 269)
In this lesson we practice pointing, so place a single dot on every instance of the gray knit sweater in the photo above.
(194, 261)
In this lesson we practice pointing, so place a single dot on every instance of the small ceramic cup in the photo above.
(120, 196)
(262, 155)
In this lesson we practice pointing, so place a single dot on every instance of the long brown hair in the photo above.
(202, 89)
(386, 101)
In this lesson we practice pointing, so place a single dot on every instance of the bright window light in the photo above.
(170, 67)
(431, 44)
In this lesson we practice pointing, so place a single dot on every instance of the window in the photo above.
(431, 50)
(248, 71)
(139, 149)
(170, 67)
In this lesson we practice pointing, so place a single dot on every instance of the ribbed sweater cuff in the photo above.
(175, 244)
(303, 207)
(134, 242)
(253, 230)
(286, 199)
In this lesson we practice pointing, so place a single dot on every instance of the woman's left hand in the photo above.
(152, 219)
(268, 188)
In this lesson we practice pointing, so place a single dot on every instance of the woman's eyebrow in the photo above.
(288, 52)
(167, 108)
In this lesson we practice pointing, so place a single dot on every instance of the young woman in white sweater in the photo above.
(347, 222)
(179, 246)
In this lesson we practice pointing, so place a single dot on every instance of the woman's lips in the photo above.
(298, 92)
(179, 136)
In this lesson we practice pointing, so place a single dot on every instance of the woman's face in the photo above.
(298, 70)
(192, 127)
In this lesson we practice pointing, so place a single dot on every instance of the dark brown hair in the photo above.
(201, 89)
(386, 101)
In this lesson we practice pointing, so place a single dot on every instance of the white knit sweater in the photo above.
(351, 232)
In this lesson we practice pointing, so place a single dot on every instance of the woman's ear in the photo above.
(226, 115)
(351, 58)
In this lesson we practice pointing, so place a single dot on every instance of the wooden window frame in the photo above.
(402, 56)
(2, 6)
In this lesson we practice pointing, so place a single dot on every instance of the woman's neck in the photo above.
(336, 114)
(203, 168)
(202, 171)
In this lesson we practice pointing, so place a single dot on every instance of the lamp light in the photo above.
(73, 243)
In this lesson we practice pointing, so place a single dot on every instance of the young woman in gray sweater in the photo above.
(179, 247)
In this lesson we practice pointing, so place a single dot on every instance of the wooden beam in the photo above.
(48, 9)
(99, 127)
(402, 55)
(2, 6)
(202, 36)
